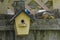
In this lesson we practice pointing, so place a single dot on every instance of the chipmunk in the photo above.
(46, 15)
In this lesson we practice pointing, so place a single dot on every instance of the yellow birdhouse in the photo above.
(22, 23)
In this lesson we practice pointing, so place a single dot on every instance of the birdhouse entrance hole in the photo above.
(22, 24)
(22, 21)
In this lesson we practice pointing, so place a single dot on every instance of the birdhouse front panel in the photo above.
(22, 24)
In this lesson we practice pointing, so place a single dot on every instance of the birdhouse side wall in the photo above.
(20, 29)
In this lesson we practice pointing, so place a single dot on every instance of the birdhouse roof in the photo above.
(18, 13)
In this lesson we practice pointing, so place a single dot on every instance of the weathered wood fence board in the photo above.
(40, 35)
(43, 35)
(46, 24)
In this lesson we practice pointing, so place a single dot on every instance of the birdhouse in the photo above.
(22, 23)
(22, 19)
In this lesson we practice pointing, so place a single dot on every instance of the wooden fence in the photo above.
(39, 30)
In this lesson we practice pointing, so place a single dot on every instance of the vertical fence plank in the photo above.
(51, 35)
(9, 35)
(30, 36)
(40, 35)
